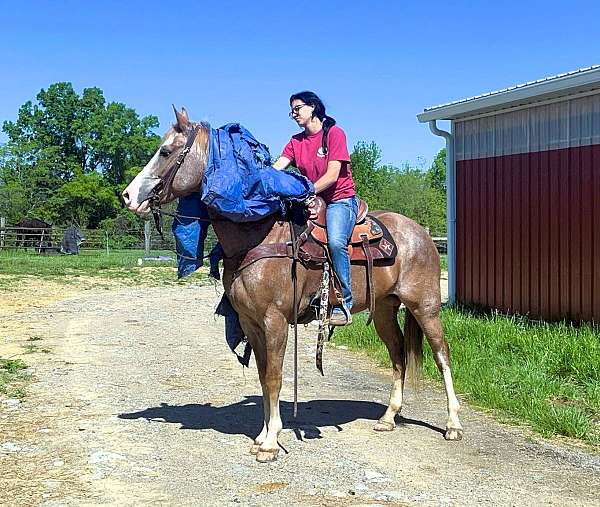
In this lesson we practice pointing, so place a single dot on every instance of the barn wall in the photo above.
(528, 210)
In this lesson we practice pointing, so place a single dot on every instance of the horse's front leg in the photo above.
(262, 436)
(256, 338)
(270, 373)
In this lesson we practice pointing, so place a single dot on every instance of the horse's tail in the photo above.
(413, 349)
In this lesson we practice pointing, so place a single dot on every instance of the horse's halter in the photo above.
(167, 178)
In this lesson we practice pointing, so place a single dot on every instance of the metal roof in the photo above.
(567, 83)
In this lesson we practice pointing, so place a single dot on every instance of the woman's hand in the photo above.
(330, 177)
(281, 163)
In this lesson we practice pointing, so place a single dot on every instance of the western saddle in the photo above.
(370, 241)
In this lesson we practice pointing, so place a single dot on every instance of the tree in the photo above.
(413, 196)
(370, 178)
(408, 190)
(66, 138)
(85, 200)
(437, 171)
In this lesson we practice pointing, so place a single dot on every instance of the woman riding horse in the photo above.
(321, 154)
(263, 296)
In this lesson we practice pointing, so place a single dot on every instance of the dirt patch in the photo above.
(140, 402)
(269, 487)
(31, 292)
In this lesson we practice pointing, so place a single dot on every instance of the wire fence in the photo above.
(48, 240)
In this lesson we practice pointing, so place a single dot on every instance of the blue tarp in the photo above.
(239, 182)
(189, 228)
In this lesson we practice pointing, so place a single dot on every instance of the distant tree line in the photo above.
(417, 194)
(69, 156)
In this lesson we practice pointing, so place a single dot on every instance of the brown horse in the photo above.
(32, 232)
(262, 293)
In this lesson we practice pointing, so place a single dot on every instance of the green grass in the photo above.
(11, 373)
(545, 375)
(118, 265)
(444, 262)
(88, 261)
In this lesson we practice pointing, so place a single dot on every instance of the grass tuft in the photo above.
(12, 365)
(11, 374)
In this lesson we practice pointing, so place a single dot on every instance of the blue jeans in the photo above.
(341, 216)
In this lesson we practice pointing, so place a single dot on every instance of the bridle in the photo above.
(167, 179)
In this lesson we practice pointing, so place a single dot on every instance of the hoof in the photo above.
(254, 448)
(453, 434)
(266, 455)
(382, 425)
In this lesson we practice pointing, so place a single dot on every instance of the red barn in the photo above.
(524, 197)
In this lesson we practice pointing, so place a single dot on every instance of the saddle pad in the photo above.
(383, 248)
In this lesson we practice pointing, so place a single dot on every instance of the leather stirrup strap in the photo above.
(370, 287)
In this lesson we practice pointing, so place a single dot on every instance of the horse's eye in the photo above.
(164, 151)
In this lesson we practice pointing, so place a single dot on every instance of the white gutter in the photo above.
(450, 208)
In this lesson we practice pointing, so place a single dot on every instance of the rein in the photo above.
(295, 247)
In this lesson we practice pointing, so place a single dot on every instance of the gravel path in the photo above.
(139, 402)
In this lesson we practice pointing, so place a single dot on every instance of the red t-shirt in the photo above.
(306, 154)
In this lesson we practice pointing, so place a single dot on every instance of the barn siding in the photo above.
(528, 233)
(528, 209)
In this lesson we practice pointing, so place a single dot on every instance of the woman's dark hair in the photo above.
(312, 99)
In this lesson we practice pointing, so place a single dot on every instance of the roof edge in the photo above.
(533, 91)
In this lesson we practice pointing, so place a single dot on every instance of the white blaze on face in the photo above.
(136, 194)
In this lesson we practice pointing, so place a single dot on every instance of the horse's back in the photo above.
(417, 265)
(408, 234)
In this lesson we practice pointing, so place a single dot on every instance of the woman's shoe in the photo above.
(339, 317)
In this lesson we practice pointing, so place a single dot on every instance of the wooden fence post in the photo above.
(2, 231)
(147, 237)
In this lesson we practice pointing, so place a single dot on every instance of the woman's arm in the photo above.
(281, 163)
(330, 176)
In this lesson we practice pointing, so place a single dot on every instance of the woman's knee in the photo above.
(337, 243)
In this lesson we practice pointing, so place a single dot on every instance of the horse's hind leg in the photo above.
(432, 327)
(386, 325)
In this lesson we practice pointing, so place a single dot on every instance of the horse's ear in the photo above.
(183, 121)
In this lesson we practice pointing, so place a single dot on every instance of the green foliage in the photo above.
(85, 201)
(411, 195)
(437, 172)
(406, 190)
(64, 149)
(124, 230)
(12, 365)
(10, 376)
(370, 178)
(544, 374)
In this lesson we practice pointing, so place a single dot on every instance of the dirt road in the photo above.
(137, 401)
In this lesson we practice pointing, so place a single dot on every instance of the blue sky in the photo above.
(375, 64)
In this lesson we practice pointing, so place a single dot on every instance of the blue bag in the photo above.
(239, 182)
